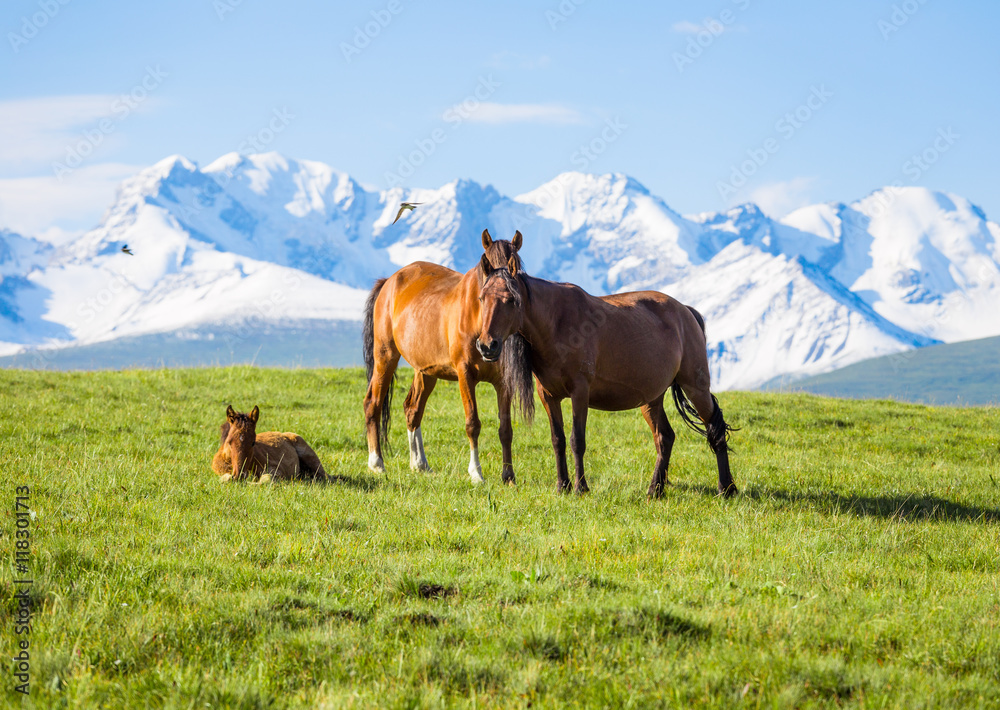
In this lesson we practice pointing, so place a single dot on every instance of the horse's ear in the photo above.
(516, 241)
(487, 239)
(512, 265)
(484, 264)
(230, 413)
(254, 414)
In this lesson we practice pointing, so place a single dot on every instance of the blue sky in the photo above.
(706, 103)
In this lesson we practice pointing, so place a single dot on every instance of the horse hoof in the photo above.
(563, 487)
(226, 478)
(728, 492)
(654, 493)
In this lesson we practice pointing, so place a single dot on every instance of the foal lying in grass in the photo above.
(271, 455)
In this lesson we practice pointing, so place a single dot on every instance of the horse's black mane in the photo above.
(515, 359)
(511, 281)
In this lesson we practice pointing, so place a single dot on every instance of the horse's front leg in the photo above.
(506, 433)
(553, 408)
(467, 388)
(578, 439)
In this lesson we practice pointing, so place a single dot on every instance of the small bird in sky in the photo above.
(126, 250)
(403, 207)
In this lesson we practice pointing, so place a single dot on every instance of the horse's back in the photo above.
(276, 449)
(645, 338)
(422, 310)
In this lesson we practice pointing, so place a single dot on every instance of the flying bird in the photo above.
(403, 207)
(126, 250)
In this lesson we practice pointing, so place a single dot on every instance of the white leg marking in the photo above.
(375, 463)
(418, 460)
(475, 470)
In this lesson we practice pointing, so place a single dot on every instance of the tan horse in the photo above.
(271, 455)
(612, 353)
(429, 315)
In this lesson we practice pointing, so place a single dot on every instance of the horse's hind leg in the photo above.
(309, 463)
(710, 413)
(663, 438)
(375, 400)
(416, 401)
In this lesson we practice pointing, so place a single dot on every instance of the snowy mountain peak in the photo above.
(274, 238)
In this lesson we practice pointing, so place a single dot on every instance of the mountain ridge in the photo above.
(270, 238)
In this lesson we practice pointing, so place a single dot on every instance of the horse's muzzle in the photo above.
(491, 352)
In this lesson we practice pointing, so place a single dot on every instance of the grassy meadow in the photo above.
(859, 566)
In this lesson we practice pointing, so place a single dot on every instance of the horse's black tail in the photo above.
(716, 431)
(368, 329)
(368, 348)
(698, 317)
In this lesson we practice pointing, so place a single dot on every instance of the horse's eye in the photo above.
(241, 437)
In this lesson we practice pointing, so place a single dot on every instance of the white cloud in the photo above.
(56, 209)
(488, 112)
(777, 199)
(40, 131)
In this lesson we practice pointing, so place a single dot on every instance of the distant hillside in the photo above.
(301, 344)
(966, 373)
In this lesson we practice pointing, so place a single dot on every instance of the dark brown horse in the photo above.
(429, 315)
(612, 353)
(270, 455)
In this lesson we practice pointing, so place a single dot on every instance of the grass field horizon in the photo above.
(858, 567)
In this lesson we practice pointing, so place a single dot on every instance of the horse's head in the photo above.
(241, 438)
(503, 292)
(502, 302)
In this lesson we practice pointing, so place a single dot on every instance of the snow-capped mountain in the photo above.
(267, 238)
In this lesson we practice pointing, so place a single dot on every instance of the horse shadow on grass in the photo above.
(906, 508)
(359, 483)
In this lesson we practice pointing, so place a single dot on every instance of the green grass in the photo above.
(966, 373)
(858, 568)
